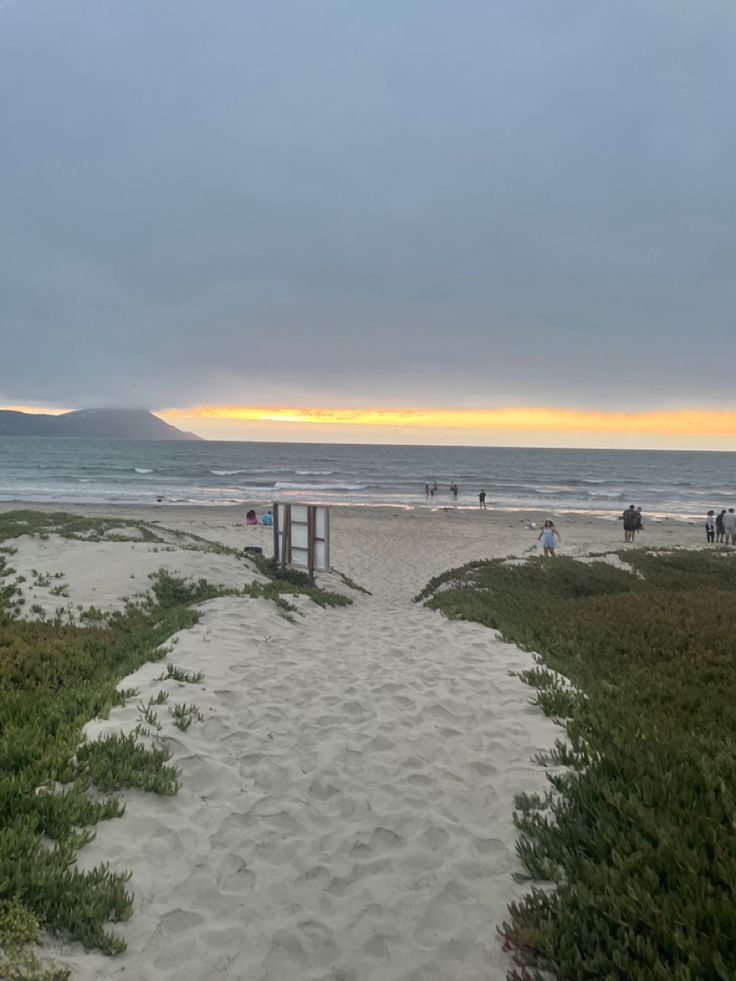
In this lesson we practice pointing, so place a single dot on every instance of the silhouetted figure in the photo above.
(631, 523)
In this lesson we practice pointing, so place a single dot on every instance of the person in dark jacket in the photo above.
(720, 530)
(632, 522)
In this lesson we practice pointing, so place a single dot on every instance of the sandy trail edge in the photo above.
(345, 810)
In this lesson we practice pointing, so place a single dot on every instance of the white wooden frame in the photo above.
(301, 536)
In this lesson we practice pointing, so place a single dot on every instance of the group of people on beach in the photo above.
(721, 527)
(251, 518)
(431, 489)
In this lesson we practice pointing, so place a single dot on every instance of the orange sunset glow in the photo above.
(34, 410)
(675, 422)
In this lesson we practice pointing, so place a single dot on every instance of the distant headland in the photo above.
(91, 423)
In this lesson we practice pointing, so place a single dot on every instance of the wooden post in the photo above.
(275, 514)
(286, 538)
(327, 539)
(311, 530)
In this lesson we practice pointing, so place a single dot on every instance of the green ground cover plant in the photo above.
(638, 832)
(53, 786)
(14, 524)
(183, 715)
(293, 581)
(19, 933)
(77, 527)
(174, 673)
(351, 583)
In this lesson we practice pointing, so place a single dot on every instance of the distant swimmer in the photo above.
(454, 490)
(426, 490)
(434, 486)
(482, 499)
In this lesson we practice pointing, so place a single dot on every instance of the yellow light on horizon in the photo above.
(34, 410)
(671, 422)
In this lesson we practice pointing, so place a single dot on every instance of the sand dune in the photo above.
(345, 810)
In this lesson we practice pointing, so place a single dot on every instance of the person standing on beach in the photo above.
(549, 537)
(482, 499)
(426, 490)
(720, 531)
(639, 525)
(710, 526)
(729, 527)
(631, 523)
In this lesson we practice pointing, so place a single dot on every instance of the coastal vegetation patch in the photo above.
(637, 831)
(57, 674)
(54, 785)
(287, 580)
(78, 527)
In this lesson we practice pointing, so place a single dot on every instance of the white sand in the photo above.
(345, 809)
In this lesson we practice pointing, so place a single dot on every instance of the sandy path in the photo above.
(345, 810)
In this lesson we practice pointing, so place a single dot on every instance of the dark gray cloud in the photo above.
(406, 202)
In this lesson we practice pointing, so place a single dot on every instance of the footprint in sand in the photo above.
(321, 790)
(235, 877)
(483, 769)
(389, 688)
(380, 840)
(434, 838)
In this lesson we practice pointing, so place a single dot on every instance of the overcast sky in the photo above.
(394, 202)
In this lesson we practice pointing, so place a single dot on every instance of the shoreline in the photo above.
(530, 513)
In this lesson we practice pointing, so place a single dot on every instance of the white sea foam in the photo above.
(681, 484)
(289, 485)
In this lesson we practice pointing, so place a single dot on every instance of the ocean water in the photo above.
(681, 484)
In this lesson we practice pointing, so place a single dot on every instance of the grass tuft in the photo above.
(174, 673)
(183, 715)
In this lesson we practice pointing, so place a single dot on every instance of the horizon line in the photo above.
(532, 421)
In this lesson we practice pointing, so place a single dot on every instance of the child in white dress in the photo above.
(549, 537)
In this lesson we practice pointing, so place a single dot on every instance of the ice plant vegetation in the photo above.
(636, 831)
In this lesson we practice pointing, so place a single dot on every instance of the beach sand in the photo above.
(346, 805)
